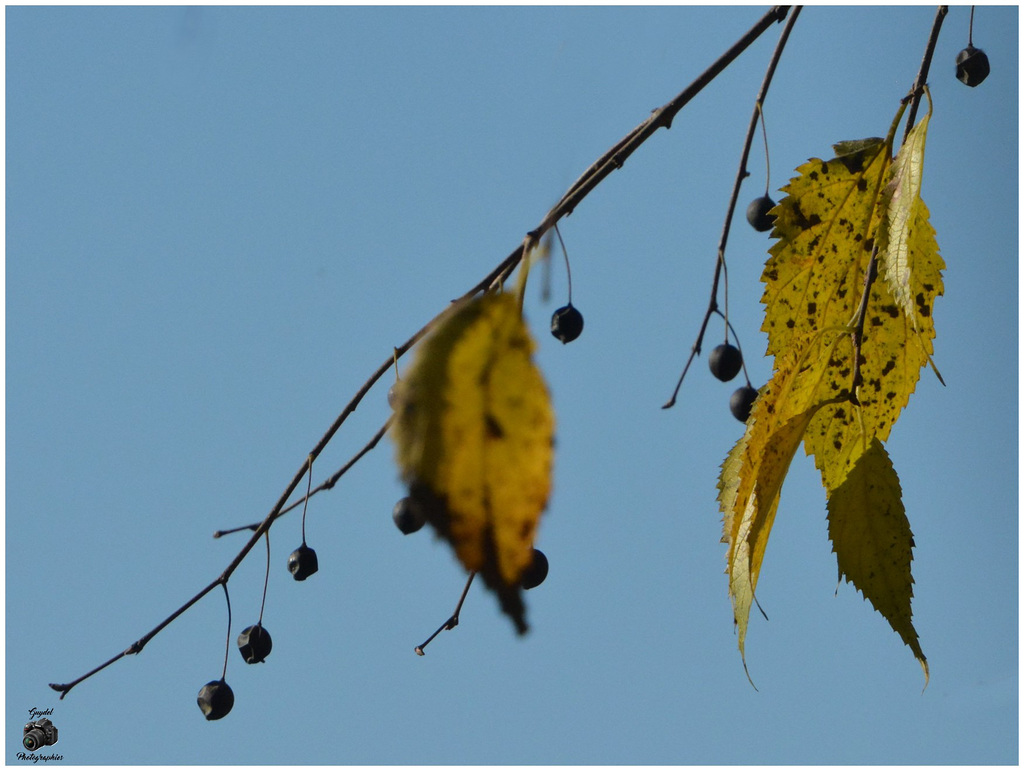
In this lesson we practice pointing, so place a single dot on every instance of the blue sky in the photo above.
(220, 221)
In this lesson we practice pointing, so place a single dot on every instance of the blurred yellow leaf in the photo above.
(473, 431)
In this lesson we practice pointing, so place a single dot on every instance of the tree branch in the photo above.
(595, 174)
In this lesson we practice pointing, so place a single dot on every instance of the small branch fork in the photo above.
(613, 159)
(742, 174)
(453, 620)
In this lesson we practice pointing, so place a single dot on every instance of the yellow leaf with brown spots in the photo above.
(872, 541)
(752, 474)
(846, 361)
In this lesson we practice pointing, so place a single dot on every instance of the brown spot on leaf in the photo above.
(494, 430)
(922, 306)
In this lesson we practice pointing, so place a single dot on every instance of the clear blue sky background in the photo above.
(220, 221)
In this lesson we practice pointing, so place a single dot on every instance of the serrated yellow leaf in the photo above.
(825, 229)
(752, 475)
(872, 540)
(835, 217)
(814, 281)
(908, 257)
(753, 513)
(900, 199)
(473, 432)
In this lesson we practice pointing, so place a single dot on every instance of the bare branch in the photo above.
(595, 174)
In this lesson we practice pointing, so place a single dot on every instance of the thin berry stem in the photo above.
(565, 254)
(266, 579)
(305, 503)
(767, 160)
(970, 29)
(743, 359)
(227, 644)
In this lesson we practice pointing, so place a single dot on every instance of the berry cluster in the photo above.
(254, 643)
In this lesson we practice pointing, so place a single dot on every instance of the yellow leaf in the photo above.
(872, 541)
(908, 256)
(836, 216)
(814, 282)
(752, 475)
(473, 433)
(749, 523)
(825, 228)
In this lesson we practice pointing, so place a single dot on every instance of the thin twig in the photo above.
(740, 176)
(327, 484)
(453, 619)
(872, 270)
(858, 330)
(597, 172)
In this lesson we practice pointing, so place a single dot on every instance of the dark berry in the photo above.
(725, 362)
(255, 644)
(302, 563)
(536, 571)
(758, 216)
(567, 323)
(216, 699)
(741, 402)
(408, 516)
(971, 66)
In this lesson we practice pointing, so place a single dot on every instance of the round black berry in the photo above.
(302, 563)
(971, 66)
(408, 516)
(567, 323)
(216, 699)
(758, 216)
(255, 644)
(725, 362)
(536, 571)
(741, 402)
